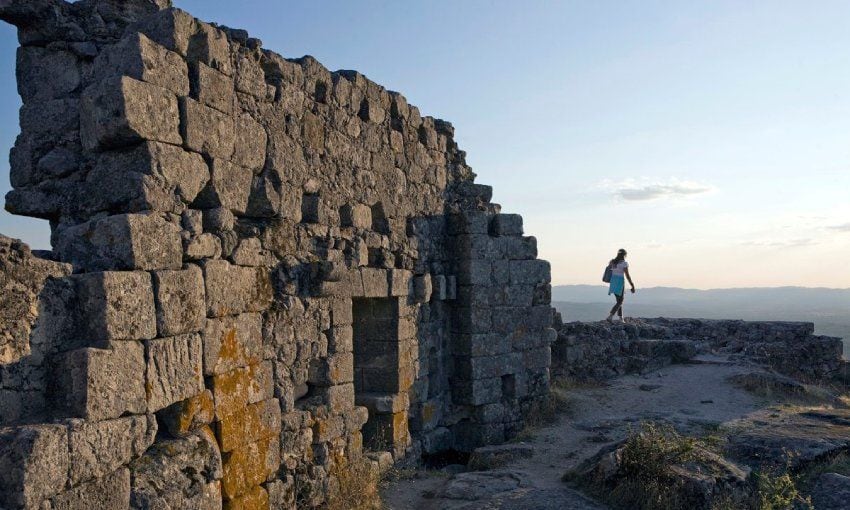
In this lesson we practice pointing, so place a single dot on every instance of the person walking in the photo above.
(619, 273)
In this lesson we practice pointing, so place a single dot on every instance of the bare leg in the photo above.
(620, 309)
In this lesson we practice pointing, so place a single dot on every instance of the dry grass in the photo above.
(648, 476)
(545, 412)
(356, 487)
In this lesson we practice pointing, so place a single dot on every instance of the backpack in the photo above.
(606, 276)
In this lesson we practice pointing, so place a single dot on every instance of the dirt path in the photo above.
(695, 397)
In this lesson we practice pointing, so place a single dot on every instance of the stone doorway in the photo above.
(381, 378)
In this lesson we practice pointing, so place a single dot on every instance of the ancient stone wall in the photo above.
(273, 264)
(600, 350)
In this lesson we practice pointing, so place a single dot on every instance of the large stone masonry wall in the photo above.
(257, 264)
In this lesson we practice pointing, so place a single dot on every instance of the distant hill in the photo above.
(829, 309)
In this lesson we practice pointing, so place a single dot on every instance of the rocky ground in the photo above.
(764, 416)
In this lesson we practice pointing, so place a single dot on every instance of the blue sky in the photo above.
(708, 138)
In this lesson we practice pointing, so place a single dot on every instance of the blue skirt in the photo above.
(617, 285)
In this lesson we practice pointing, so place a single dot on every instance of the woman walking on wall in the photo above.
(619, 269)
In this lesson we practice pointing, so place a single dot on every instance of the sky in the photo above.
(711, 139)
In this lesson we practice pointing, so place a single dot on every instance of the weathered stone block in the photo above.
(250, 78)
(180, 304)
(34, 464)
(98, 384)
(115, 305)
(122, 242)
(45, 74)
(506, 225)
(248, 466)
(98, 449)
(186, 417)
(356, 215)
(488, 344)
(140, 58)
(484, 367)
(341, 339)
(469, 222)
(341, 312)
(239, 387)
(256, 498)
(335, 369)
(176, 171)
(232, 342)
(172, 28)
(253, 423)
(107, 493)
(375, 282)
(477, 392)
(206, 130)
(475, 272)
(210, 46)
(204, 246)
(422, 288)
(234, 289)
(180, 473)
(45, 122)
(339, 397)
(250, 144)
(529, 272)
(537, 358)
(472, 320)
(174, 370)
(121, 111)
(229, 187)
(213, 88)
(328, 429)
(518, 248)
(218, 220)
(400, 282)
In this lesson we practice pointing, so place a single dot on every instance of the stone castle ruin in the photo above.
(261, 271)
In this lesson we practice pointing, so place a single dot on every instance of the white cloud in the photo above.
(841, 228)
(632, 190)
(782, 243)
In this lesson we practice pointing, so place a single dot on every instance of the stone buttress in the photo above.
(262, 271)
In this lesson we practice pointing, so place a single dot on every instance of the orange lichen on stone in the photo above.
(187, 416)
(237, 388)
(230, 349)
(255, 422)
(248, 466)
(256, 499)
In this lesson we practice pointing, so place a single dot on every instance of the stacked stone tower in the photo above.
(261, 271)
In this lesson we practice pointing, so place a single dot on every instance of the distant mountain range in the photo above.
(829, 309)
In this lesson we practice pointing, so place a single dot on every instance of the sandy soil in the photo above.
(694, 396)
